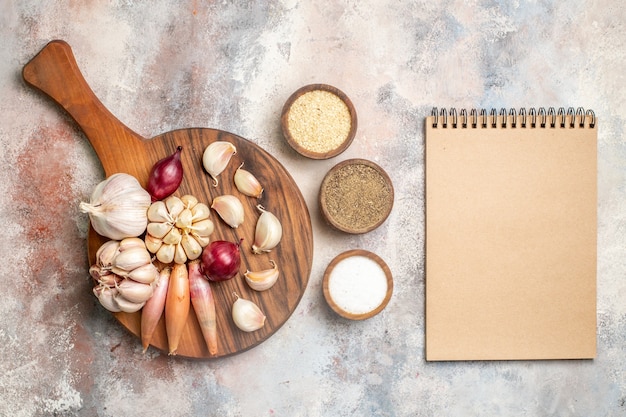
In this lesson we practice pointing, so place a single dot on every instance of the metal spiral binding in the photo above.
(541, 118)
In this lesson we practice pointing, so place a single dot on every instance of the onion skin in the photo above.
(177, 306)
(166, 176)
(221, 260)
(203, 304)
(152, 311)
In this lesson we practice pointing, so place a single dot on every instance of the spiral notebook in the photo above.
(511, 226)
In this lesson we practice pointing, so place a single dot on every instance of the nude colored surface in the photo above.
(164, 65)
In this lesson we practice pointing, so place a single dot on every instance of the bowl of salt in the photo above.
(357, 284)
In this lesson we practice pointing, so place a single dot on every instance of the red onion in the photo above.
(220, 260)
(166, 176)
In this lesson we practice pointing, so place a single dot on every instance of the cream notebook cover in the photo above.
(511, 235)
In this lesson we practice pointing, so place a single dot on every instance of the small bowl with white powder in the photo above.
(357, 284)
(319, 121)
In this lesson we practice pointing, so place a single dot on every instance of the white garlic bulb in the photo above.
(178, 229)
(118, 207)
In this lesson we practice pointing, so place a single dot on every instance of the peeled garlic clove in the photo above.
(173, 237)
(153, 243)
(200, 212)
(189, 200)
(106, 296)
(267, 233)
(174, 206)
(158, 212)
(262, 280)
(106, 252)
(202, 228)
(229, 209)
(159, 230)
(131, 259)
(165, 254)
(247, 315)
(146, 274)
(130, 243)
(216, 157)
(184, 219)
(126, 305)
(247, 183)
(191, 246)
(134, 291)
(180, 257)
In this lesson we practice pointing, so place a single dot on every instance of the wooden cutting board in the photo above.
(55, 72)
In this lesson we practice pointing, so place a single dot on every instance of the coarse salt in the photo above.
(357, 284)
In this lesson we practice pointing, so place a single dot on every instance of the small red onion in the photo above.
(220, 260)
(166, 176)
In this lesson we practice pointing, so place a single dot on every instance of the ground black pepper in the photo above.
(356, 196)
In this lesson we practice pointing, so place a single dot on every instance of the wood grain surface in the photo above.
(55, 72)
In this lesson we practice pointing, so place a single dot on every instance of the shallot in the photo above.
(166, 176)
(203, 305)
(154, 308)
(177, 306)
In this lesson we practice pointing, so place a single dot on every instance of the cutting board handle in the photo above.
(54, 71)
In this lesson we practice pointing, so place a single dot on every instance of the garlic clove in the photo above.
(202, 240)
(230, 209)
(153, 243)
(106, 296)
(131, 259)
(159, 230)
(109, 279)
(247, 183)
(189, 201)
(180, 257)
(158, 212)
(268, 232)
(174, 206)
(134, 291)
(262, 280)
(130, 243)
(247, 315)
(200, 212)
(202, 228)
(126, 305)
(184, 219)
(216, 157)
(146, 274)
(165, 253)
(173, 237)
(192, 247)
(106, 252)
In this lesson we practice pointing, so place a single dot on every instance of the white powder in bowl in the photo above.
(357, 284)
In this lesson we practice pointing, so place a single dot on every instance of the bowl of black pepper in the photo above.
(356, 196)
(319, 121)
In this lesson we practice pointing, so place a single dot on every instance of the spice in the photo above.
(319, 121)
(356, 197)
(357, 285)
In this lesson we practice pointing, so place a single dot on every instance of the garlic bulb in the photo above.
(262, 280)
(247, 315)
(117, 207)
(178, 229)
(229, 209)
(247, 183)
(216, 157)
(267, 233)
(124, 275)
